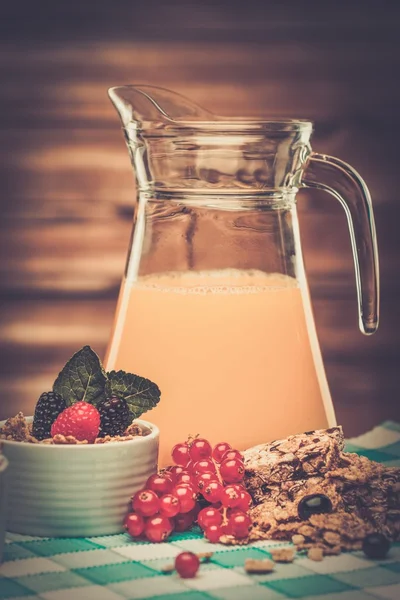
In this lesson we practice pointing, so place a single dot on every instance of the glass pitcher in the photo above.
(214, 305)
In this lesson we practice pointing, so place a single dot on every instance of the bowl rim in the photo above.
(138, 440)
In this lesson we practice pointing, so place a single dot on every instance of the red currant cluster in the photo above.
(204, 485)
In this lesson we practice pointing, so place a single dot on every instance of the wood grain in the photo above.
(67, 191)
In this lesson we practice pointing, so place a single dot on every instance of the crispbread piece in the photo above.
(294, 458)
(365, 495)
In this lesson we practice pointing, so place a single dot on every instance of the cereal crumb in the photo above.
(252, 565)
(133, 430)
(333, 551)
(170, 568)
(306, 531)
(66, 440)
(282, 555)
(316, 554)
(230, 540)
(206, 556)
(298, 539)
(332, 538)
(16, 429)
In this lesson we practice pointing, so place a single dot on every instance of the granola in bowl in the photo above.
(19, 429)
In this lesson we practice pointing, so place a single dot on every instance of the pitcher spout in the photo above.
(147, 105)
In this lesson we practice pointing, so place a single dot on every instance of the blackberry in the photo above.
(47, 409)
(115, 416)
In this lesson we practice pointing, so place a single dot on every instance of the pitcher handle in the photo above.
(344, 183)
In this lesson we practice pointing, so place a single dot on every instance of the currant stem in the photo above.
(206, 555)
(224, 508)
(191, 438)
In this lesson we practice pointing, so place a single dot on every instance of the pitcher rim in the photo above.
(228, 124)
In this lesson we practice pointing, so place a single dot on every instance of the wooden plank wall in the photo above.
(67, 189)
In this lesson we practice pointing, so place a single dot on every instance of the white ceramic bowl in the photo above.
(76, 490)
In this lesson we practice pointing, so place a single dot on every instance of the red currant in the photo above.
(231, 454)
(134, 524)
(183, 521)
(240, 525)
(160, 484)
(180, 454)
(174, 472)
(219, 450)
(230, 496)
(188, 485)
(146, 503)
(214, 533)
(189, 467)
(186, 497)
(203, 479)
(205, 465)
(187, 564)
(199, 449)
(209, 516)
(157, 528)
(232, 470)
(227, 527)
(169, 506)
(186, 478)
(245, 501)
(212, 491)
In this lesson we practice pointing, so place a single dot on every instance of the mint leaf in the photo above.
(82, 378)
(141, 394)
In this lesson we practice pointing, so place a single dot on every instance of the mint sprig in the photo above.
(140, 394)
(84, 378)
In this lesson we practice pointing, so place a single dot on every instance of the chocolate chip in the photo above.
(314, 504)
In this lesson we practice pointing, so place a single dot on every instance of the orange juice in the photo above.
(234, 353)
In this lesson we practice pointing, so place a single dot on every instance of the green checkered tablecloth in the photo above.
(117, 568)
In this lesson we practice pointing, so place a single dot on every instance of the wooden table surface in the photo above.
(67, 189)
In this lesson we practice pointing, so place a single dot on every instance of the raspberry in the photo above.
(47, 409)
(81, 420)
(115, 416)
